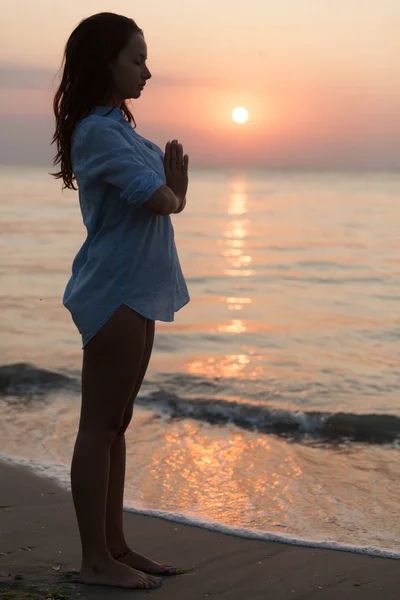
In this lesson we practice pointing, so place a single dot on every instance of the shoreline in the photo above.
(40, 553)
(62, 480)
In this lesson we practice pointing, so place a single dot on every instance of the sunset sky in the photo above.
(319, 78)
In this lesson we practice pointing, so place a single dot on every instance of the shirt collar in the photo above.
(113, 113)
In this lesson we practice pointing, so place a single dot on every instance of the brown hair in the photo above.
(87, 79)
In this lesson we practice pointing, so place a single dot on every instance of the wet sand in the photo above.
(40, 555)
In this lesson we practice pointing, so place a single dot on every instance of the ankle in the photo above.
(117, 548)
(118, 555)
(96, 562)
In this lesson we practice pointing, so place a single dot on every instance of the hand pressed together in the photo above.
(176, 166)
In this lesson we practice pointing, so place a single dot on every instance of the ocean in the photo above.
(270, 408)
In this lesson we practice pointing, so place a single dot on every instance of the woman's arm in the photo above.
(181, 207)
(165, 202)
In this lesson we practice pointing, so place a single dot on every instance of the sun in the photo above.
(240, 114)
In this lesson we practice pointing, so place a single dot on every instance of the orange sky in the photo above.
(319, 79)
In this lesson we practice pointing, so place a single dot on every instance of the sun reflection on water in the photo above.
(236, 253)
(230, 365)
(243, 473)
(235, 246)
(236, 302)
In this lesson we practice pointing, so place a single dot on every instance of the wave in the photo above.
(372, 428)
(23, 379)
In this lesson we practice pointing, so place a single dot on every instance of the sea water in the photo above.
(270, 408)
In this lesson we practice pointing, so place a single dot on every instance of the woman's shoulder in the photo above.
(97, 131)
(94, 122)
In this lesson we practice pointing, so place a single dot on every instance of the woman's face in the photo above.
(130, 70)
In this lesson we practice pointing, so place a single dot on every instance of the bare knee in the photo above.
(89, 434)
(126, 420)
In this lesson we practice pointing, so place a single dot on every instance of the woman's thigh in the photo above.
(150, 327)
(112, 362)
(148, 347)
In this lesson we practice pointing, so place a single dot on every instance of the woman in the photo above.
(125, 276)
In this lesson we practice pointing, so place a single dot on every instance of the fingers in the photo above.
(176, 151)
(179, 154)
(167, 155)
(174, 157)
(176, 154)
(173, 153)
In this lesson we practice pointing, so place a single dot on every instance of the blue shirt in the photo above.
(129, 255)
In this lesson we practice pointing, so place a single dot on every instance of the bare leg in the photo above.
(111, 363)
(115, 498)
(116, 541)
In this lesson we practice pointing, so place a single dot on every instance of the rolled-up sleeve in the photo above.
(101, 152)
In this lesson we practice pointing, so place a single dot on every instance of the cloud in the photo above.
(23, 77)
(26, 139)
(188, 81)
(351, 130)
(20, 77)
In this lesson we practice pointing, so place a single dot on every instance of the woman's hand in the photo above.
(176, 169)
(181, 207)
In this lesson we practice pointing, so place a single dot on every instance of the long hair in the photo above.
(87, 80)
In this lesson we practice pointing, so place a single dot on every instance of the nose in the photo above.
(148, 74)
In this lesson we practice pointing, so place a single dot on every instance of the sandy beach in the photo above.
(40, 556)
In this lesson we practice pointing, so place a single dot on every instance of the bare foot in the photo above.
(117, 574)
(138, 561)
